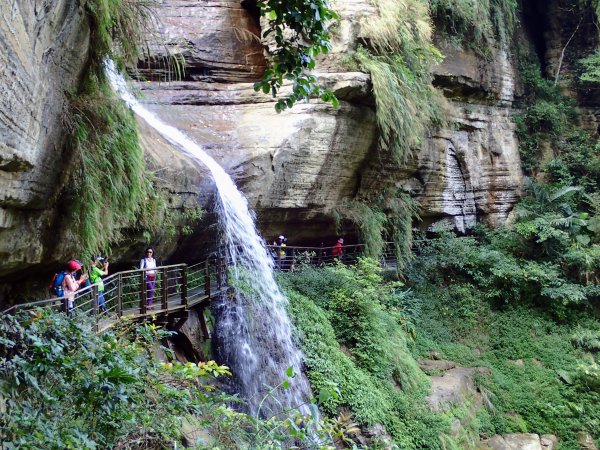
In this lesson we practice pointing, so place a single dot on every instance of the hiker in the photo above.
(79, 274)
(70, 284)
(148, 262)
(96, 274)
(280, 252)
(337, 249)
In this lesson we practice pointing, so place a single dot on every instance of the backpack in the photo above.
(56, 285)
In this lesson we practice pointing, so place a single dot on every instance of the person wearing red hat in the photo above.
(337, 250)
(71, 284)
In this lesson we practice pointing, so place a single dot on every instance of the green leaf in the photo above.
(290, 372)
(272, 15)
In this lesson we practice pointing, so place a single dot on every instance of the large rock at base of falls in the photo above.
(43, 47)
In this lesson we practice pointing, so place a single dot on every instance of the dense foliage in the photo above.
(64, 387)
(67, 388)
(480, 302)
(354, 336)
(301, 32)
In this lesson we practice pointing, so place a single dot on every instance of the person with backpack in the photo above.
(148, 262)
(96, 275)
(70, 284)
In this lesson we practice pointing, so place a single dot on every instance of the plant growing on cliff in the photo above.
(398, 53)
(119, 29)
(478, 24)
(112, 190)
(301, 32)
(388, 217)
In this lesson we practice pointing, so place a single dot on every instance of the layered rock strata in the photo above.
(43, 47)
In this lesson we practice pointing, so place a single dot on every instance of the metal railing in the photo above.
(289, 258)
(133, 293)
(178, 287)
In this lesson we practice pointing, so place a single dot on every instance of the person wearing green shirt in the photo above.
(96, 274)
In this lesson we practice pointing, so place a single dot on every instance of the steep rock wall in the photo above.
(43, 47)
(295, 167)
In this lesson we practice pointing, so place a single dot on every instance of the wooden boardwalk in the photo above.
(180, 287)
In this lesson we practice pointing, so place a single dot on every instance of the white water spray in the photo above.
(253, 329)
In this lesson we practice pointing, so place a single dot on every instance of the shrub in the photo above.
(353, 334)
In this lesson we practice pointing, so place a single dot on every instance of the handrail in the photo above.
(131, 292)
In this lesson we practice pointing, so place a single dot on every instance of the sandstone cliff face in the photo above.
(43, 47)
(294, 167)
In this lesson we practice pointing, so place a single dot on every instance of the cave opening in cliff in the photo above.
(535, 25)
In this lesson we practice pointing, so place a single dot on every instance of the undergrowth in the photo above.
(351, 328)
(65, 387)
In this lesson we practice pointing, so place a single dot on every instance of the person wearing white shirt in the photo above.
(148, 262)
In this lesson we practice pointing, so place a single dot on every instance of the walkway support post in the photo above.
(143, 293)
(120, 296)
(95, 307)
(164, 289)
(206, 279)
(184, 286)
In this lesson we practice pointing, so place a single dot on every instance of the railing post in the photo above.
(95, 307)
(184, 286)
(165, 288)
(206, 279)
(120, 295)
(143, 293)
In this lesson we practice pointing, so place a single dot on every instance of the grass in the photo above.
(398, 54)
(388, 217)
(478, 24)
(120, 29)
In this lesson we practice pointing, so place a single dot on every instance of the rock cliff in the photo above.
(43, 49)
(294, 167)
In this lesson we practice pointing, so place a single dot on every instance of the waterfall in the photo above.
(253, 328)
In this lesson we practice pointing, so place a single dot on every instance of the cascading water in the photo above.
(253, 329)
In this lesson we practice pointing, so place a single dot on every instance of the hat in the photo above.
(74, 265)
(341, 240)
(282, 237)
